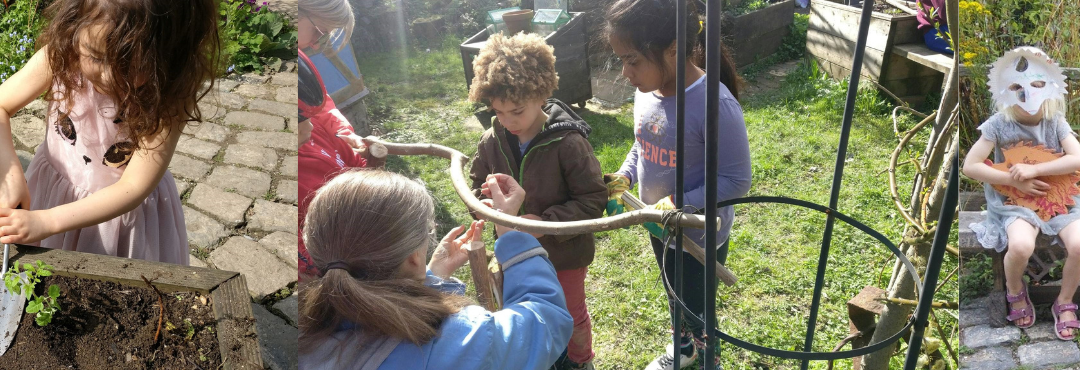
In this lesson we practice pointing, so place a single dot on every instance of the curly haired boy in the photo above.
(543, 144)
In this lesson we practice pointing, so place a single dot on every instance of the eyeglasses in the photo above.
(323, 36)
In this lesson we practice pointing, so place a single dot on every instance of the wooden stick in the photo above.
(689, 245)
(908, 302)
(161, 305)
(482, 277)
(461, 186)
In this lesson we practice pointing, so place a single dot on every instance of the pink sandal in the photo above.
(1059, 325)
(1028, 311)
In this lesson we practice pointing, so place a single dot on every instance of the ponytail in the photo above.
(400, 308)
(360, 227)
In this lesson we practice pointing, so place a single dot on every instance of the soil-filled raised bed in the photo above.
(109, 317)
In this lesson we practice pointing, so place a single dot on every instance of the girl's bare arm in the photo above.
(19, 90)
(976, 169)
(144, 171)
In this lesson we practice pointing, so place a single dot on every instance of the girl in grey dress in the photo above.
(1014, 228)
(1028, 91)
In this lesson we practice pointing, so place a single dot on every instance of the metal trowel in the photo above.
(11, 309)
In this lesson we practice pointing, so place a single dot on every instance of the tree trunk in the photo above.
(894, 316)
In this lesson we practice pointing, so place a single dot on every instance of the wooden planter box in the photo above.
(758, 34)
(831, 37)
(571, 59)
(228, 291)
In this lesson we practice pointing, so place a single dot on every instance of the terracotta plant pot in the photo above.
(517, 21)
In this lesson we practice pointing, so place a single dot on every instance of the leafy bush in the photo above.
(976, 277)
(253, 36)
(20, 24)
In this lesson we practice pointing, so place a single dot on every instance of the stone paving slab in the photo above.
(1043, 354)
(287, 191)
(209, 112)
(256, 121)
(197, 148)
(227, 207)
(276, 140)
(288, 166)
(188, 168)
(274, 107)
(277, 340)
(264, 272)
(288, 306)
(182, 186)
(226, 99)
(984, 336)
(253, 91)
(285, 79)
(975, 316)
(202, 230)
(246, 182)
(196, 262)
(283, 245)
(210, 131)
(251, 156)
(993, 358)
(286, 94)
(226, 85)
(1042, 330)
(270, 216)
(29, 130)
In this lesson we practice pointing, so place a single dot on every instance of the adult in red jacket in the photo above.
(328, 145)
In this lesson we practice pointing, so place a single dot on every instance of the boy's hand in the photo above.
(451, 253)
(616, 185)
(506, 196)
(658, 231)
(23, 226)
(1023, 171)
(533, 217)
(1032, 187)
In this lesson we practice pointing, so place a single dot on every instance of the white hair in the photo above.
(333, 13)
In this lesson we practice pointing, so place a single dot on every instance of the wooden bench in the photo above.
(914, 71)
(1040, 264)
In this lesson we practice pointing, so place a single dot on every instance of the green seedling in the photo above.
(43, 306)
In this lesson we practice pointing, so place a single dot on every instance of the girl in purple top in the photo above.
(649, 62)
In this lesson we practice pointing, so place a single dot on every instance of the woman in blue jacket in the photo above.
(378, 305)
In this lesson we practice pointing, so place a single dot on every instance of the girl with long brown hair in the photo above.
(122, 78)
(376, 305)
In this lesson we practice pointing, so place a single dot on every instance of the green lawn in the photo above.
(793, 134)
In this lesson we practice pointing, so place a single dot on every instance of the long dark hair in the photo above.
(649, 27)
(159, 53)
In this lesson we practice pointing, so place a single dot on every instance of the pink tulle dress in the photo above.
(83, 153)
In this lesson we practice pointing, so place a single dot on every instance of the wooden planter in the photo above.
(228, 291)
(571, 59)
(760, 33)
(831, 37)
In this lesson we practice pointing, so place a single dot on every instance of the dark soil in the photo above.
(104, 325)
